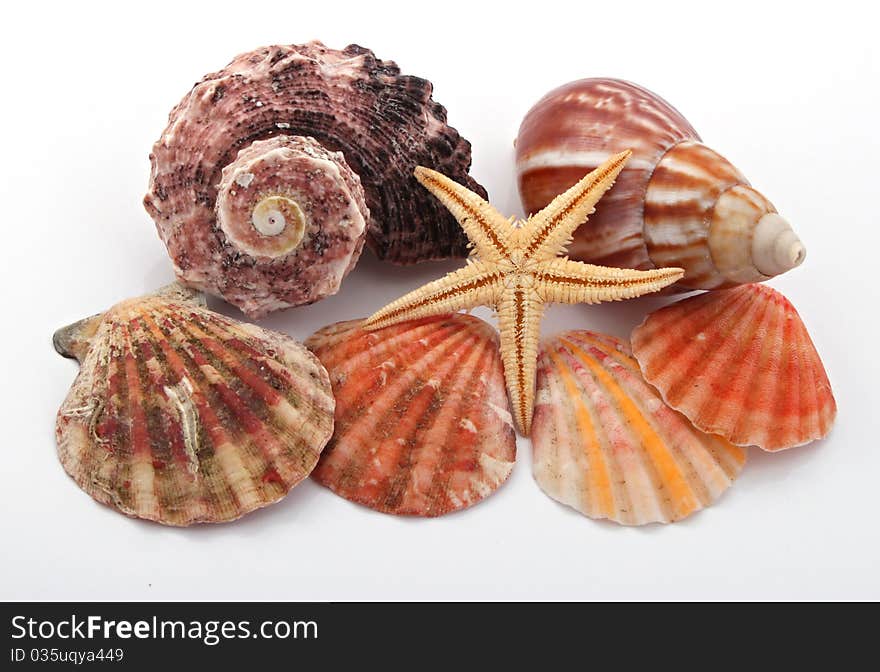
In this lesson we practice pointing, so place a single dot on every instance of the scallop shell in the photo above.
(741, 364)
(422, 420)
(605, 444)
(384, 123)
(676, 202)
(180, 415)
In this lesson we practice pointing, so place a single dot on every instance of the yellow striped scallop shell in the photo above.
(605, 444)
(180, 415)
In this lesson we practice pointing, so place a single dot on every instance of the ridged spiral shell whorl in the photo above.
(384, 123)
(422, 420)
(604, 442)
(180, 415)
(297, 212)
(676, 202)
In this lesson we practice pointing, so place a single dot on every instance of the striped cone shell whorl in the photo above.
(570, 132)
(605, 444)
(739, 363)
(180, 415)
(422, 420)
(676, 202)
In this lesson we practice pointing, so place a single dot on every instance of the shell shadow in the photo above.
(656, 527)
(764, 467)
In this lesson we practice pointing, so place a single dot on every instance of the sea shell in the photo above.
(422, 420)
(741, 364)
(384, 124)
(181, 415)
(605, 444)
(296, 213)
(676, 202)
(285, 224)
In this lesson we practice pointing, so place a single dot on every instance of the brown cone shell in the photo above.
(676, 202)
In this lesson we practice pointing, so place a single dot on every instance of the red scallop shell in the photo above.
(422, 420)
(739, 363)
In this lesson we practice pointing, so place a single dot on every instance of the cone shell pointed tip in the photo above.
(775, 246)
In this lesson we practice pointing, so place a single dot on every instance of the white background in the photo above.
(789, 95)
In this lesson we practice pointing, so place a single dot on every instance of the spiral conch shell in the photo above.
(271, 170)
(180, 415)
(676, 203)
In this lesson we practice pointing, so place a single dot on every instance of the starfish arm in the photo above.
(474, 285)
(487, 229)
(566, 281)
(519, 321)
(548, 233)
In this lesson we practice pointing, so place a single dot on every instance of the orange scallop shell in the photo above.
(180, 415)
(605, 444)
(422, 420)
(741, 364)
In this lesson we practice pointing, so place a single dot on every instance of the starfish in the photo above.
(518, 268)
